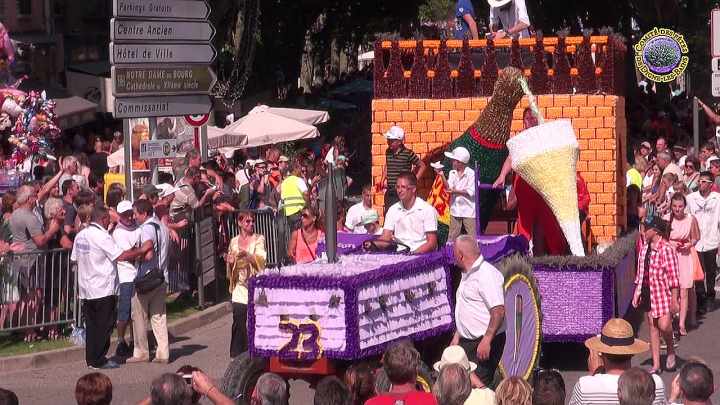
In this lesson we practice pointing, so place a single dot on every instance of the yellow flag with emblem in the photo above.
(440, 199)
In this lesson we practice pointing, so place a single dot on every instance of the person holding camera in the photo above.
(187, 386)
(150, 287)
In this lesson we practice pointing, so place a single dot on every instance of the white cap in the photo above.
(124, 206)
(395, 133)
(437, 165)
(166, 190)
(283, 158)
(460, 154)
(370, 217)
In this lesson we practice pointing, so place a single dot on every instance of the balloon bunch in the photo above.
(34, 126)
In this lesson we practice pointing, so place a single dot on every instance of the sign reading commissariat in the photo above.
(161, 56)
(661, 55)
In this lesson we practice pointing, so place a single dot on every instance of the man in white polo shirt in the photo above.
(127, 236)
(461, 187)
(411, 221)
(96, 255)
(479, 310)
(354, 217)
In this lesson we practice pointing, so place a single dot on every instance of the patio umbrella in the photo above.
(310, 117)
(266, 125)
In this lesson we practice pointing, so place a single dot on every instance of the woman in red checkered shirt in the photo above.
(657, 288)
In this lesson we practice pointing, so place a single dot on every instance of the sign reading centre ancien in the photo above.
(161, 55)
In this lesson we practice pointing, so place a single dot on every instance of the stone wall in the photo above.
(600, 127)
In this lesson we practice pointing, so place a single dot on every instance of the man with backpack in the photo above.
(150, 287)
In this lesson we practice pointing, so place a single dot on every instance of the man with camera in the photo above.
(150, 287)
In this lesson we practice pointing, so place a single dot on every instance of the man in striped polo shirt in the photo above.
(398, 159)
(611, 354)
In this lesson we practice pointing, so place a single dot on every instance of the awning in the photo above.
(74, 111)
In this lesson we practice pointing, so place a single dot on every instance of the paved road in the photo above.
(207, 347)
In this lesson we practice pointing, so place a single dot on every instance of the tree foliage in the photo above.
(287, 26)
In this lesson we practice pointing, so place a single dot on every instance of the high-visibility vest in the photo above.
(291, 196)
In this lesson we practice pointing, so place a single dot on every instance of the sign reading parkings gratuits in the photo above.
(161, 55)
(180, 9)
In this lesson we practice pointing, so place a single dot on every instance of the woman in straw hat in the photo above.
(611, 355)
(657, 289)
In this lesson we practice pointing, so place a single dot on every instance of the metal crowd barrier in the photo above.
(38, 289)
(273, 226)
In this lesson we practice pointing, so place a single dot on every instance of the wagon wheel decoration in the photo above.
(523, 324)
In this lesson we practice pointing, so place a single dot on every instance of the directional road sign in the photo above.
(155, 80)
(715, 84)
(160, 30)
(161, 53)
(158, 149)
(180, 9)
(168, 106)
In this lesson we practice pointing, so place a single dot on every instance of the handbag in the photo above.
(153, 278)
(698, 274)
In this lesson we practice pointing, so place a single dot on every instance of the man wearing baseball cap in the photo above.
(611, 354)
(461, 187)
(398, 159)
(127, 236)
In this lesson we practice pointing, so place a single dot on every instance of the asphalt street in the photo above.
(207, 348)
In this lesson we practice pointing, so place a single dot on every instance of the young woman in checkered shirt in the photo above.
(657, 289)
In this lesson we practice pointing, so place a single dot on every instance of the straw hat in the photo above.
(455, 355)
(617, 337)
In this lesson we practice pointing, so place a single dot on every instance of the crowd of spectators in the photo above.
(673, 200)
(612, 380)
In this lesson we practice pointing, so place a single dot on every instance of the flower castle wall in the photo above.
(598, 120)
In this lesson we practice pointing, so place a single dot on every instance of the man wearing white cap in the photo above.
(127, 236)
(355, 214)
(398, 159)
(461, 187)
(512, 15)
(371, 223)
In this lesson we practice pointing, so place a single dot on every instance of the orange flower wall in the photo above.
(600, 127)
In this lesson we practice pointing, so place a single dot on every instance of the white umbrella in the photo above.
(221, 138)
(263, 126)
(310, 117)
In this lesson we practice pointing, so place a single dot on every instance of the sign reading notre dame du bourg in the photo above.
(161, 55)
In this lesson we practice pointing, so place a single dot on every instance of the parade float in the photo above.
(315, 319)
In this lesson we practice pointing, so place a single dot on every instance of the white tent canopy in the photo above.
(265, 125)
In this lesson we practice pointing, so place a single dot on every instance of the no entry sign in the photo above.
(197, 120)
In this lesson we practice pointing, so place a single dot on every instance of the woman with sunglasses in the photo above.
(692, 173)
(246, 257)
(303, 243)
(684, 234)
(656, 289)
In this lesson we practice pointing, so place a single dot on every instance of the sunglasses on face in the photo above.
(306, 215)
